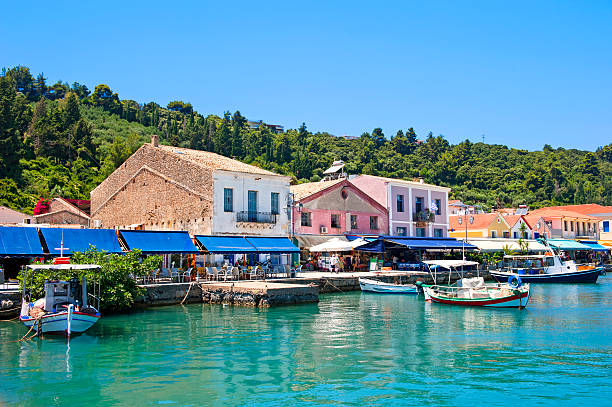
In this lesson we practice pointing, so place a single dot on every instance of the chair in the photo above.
(164, 273)
(214, 273)
(235, 273)
(185, 274)
(287, 270)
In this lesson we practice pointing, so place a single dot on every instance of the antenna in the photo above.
(483, 138)
(62, 248)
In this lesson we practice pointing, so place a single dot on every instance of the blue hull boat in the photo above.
(579, 276)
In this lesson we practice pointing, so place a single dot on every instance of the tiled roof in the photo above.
(512, 219)
(214, 161)
(8, 215)
(557, 213)
(585, 209)
(533, 220)
(481, 221)
(414, 184)
(302, 191)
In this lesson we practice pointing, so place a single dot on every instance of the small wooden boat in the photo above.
(474, 292)
(65, 308)
(374, 286)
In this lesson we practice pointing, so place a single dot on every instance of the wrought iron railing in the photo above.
(424, 216)
(256, 217)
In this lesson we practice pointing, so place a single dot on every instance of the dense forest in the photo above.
(64, 139)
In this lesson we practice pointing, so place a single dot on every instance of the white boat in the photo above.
(374, 286)
(65, 308)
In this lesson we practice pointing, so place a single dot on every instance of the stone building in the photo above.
(62, 211)
(169, 188)
(10, 216)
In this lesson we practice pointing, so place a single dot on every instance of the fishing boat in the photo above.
(473, 291)
(65, 308)
(375, 286)
(546, 268)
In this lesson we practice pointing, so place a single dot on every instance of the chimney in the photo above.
(155, 140)
(421, 180)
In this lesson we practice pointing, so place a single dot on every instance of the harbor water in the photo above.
(349, 349)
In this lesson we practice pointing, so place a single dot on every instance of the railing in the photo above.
(256, 217)
(424, 216)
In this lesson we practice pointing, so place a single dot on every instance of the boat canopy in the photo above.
(154, 242)
(595, 246)
(450, 264)
(20, 242)
(63, 266)
(338, 245)
(499, 245)
(566, 244)
(606, 243)
(80, 240)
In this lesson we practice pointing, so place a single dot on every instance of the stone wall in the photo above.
(62, 217)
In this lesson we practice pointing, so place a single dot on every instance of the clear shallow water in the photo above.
(350, 349)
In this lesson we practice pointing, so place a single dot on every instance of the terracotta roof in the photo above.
(585, 209)
(453, 201)
(214, 161)
(10, 216)
(481, 221)
(302, 191)
(512, 219)
(414, 184)
(533, 220)
(557, 213)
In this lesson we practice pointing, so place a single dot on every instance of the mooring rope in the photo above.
(327, 282)
(190, 285)
(25, 338)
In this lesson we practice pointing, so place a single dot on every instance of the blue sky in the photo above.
(521, 73)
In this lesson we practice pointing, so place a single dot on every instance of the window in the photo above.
(438, 203)
(536, 235)
(515, 234)
(373, 222)
(306, 219)
(506, 235)
(400, 231)
(565, 225)
(438, 232)
(606, 226)
(252, 206)
(335, 220)
(400, 203)
(419, 204)
(420, 232)
(353, 222)
(493, 234)
(228, 200)
(274, 203)
(571, 226)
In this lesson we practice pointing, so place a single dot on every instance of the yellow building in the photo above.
(492, 225)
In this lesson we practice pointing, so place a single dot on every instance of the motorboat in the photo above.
(473, 291)
(65, 308)
(546, 268)
(375, 286)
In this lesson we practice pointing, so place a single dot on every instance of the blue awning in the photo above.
(226, 244)
(80, 240)
(20, 242)
(565, 244)
(414, 243)
(595, 246)
(153, 242)
(272, 244)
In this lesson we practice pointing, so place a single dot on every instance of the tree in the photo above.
(378, 137)
(23, 80)
(104, 97)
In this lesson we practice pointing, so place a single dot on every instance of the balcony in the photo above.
(256, 217)
(424, 216)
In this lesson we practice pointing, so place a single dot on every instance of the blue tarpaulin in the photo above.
(272, 244)
(154, 242)
(19, 242)
(80, 240)
(595, 246)
(226, 244)
(566, 244)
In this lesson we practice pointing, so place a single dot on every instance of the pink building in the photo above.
(337, 207)
(414, 207)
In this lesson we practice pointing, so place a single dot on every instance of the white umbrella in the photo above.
(338, 245)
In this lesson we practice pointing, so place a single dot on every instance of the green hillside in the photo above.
(63, 139)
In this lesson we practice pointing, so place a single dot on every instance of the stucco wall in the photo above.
(240, 183)
(374, 187)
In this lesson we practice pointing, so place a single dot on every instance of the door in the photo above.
(252, 206)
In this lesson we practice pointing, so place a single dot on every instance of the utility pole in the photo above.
(483, 138)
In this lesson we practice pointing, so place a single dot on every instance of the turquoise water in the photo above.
(350, 349)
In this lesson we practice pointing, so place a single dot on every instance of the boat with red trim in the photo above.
(474, 292)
